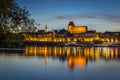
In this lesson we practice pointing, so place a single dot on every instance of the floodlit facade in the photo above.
(73, 34)
(76, 29)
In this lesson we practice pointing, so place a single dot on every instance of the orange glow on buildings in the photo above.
(73, 34)
(76, 29)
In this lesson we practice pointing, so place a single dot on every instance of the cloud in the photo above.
(75, 16)
(98, 21)
(108, 17)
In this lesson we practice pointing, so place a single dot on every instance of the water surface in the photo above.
(60, 63)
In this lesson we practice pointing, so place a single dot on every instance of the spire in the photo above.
(46, 28)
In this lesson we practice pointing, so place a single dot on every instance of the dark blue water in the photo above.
(61, 63)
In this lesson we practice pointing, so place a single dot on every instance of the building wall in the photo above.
(76, 29)
(82, 38)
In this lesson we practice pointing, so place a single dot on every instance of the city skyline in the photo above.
(100, 15)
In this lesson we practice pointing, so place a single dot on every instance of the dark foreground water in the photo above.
(60, 63)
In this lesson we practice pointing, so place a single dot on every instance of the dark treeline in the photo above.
(14, 19)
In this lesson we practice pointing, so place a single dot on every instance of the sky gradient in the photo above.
(100, 15)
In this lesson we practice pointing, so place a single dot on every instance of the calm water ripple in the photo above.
(60, 63)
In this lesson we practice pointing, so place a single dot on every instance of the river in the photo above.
(60, 63)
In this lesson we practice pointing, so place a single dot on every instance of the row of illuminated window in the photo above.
(72, 39)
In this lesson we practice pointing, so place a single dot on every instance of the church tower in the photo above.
(70, 26)
(46, 28)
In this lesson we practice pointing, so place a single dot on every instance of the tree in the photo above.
(12, 17)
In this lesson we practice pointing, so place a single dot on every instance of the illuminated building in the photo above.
(73, 34)
(76, 29)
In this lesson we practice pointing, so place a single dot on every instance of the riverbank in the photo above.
(81, 44)
(21, 45)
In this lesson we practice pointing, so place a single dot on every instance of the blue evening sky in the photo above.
(101, 15)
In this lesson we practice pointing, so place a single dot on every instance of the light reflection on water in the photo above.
(61, 63)
(75, 56)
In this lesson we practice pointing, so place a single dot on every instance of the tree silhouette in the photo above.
(12, 17)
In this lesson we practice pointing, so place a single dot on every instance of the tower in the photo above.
(70, 26)
(46, 28)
